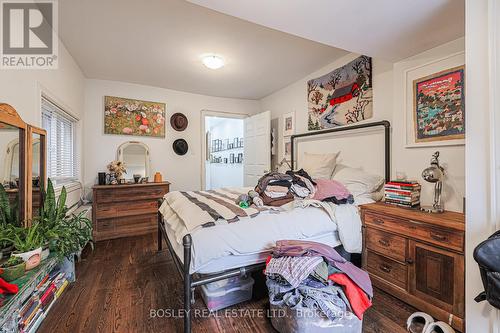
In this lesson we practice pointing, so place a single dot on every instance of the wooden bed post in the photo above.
(187, 242)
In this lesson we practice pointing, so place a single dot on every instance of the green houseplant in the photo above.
(9, 215)
(64, 233)
(27, 243)
(12, 268)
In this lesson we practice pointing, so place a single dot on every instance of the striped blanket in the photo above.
(206, 208)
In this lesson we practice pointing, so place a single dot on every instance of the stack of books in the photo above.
(402, 193)
(38, 305)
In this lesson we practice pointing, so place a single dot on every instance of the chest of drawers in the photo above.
(417, 257)
(126, 210)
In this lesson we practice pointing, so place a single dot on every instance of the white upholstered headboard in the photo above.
(365, 146)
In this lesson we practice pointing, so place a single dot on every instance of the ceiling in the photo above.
(386, 29)
(266, 45)
(160, 43)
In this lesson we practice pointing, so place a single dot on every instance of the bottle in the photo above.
(158, 178)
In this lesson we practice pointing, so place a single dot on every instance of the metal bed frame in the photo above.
(192, 281)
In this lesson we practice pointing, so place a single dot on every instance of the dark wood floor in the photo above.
(123, 281)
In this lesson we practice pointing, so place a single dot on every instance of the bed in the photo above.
(207, 254)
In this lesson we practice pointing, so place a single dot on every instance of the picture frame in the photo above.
(287, 148)
(430, 74)
(288, 122)
(125, 116)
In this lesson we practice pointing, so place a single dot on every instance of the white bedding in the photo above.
(249, 240)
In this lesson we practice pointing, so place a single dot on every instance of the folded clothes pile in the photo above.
(303, 274)
(277, 189)
(274, 189)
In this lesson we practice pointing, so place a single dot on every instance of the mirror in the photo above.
(135, 156)
(11, 168)
(36, 174)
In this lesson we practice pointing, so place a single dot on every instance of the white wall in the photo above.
(413, 160)
(22, 89)
(482, 48)
(182, 171)
(388, 104)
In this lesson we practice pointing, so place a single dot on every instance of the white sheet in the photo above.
(235, 261)
(249, 240)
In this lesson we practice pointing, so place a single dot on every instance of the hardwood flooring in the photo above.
(123, 282)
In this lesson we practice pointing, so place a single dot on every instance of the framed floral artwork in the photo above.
(124, 116)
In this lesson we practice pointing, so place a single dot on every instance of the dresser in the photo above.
(417, 257)
(126, 210)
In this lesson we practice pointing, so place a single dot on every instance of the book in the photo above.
(61, 289)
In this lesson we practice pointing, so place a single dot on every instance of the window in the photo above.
(61, 155)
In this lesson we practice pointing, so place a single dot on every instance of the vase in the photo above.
(11, 273)
(158, 178)
(31, 258)
(113, 180)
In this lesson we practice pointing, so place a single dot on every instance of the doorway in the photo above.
(224, 153)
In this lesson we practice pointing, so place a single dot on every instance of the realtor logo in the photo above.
(29, 34)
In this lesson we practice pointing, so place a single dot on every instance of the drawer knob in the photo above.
(385, 268)
(409, 261)
(438, 237)
(378, 221)
(383, 242)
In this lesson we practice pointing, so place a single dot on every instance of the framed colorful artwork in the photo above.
(289, 124)
(435, 103)
(343, 96)
(124, 116)
(439, 106)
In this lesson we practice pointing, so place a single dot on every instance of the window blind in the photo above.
(61, 155)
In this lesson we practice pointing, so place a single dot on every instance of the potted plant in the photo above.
(63, 233)
(8, 216)
(118, 169)
(12, 268)
(27, 244)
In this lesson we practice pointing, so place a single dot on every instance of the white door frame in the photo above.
(211, 113)
(481, 150)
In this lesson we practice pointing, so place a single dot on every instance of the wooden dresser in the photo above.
(417, 257)
(126, 210)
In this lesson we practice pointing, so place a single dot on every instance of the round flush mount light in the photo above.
(212, 61)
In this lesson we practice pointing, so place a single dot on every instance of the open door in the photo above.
(257, 148)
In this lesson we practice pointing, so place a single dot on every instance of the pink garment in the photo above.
(327, 188)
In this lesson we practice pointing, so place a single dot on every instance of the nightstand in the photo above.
(418, 257)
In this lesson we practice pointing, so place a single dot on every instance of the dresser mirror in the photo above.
(12, 165)
(135, 156)
(36, 168)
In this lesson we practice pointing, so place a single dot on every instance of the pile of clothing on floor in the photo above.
(304, 274)
(277, 189)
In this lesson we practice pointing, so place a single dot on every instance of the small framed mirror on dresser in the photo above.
(13, 163)
(136, 157)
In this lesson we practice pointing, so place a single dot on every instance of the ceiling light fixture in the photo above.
(213, 61)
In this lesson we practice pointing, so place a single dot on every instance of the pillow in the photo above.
(357, 181)
(327, 188)
(319, 165)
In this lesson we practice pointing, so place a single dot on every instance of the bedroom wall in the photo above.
(389, 104)
(22, 89)
(183, 171)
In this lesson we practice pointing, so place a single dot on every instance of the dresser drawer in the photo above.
(117, 195)
(387, 269)
(389, 245)
(128, 208)
(125, 226)
(415, 229)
